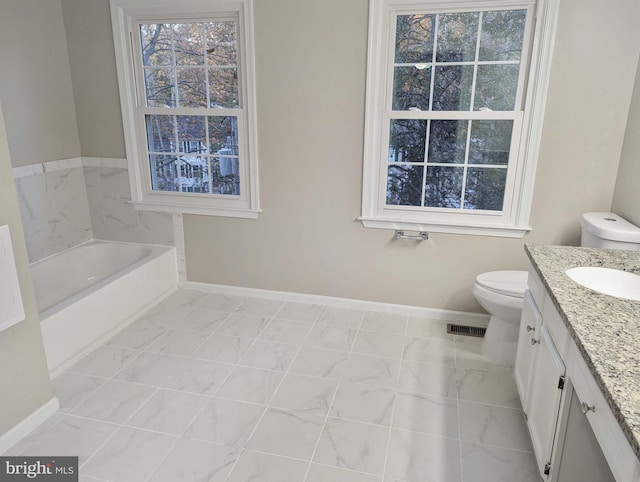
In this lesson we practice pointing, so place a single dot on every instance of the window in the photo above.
(454, 107)
(187, 91)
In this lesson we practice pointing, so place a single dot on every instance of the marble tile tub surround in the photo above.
(605, 329)
(221, 387)
(66, 202)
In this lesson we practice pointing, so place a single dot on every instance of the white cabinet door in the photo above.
(543, 397)
(529, 325)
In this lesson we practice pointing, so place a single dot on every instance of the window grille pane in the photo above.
(191, 134)
(502, 35)
(192, 88)
(222, 43)
(404, 185)
(226, 175)
(457, 37)
(194, 173)
(414, 39)
(496, 87)
(223, 88)
(164, 173)
(159, 87)
(156, 44)
(444, 187)
(452, 87)
(411, 88)
(490, 141)
(223, 135)
(161, 135)
(407, 140)
(485, 188)
(188, 39)
(448, 141)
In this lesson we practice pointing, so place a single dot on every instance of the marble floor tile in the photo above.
(250, 385)
(36, 433)
(363, 403)
(353, 445)
(71, 389)
(469, 355)
(489, 464)
(202, 318)
(371, 370)
(72, 436)
(295, 311)
(496, 426)
(325, 473)
(285, 331)
(341, 317)
(288, 433)
(378, 344)
(428, 414)
(331, 337)
(243, 325)
(177, 342)
(226, 422)
(428, 379)
(318, 362)
(259, 467)
(104, 361)
(492, 387)
(150, 369)
(221, 302)
(259, 307)
(137, 335)
(199, 376)
(115, 401)
(428, 328)
(389, 323)
(194, 460)
(269, 355)
(131, 455)
(221, 348)
(429, 350)
(168, 411)
(305, 394)
(416, 457)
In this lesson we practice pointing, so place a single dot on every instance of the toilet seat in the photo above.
(507, 283)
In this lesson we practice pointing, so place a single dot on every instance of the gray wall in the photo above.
(24, 377)
(35, 83)
(626, 201)
(311, 66)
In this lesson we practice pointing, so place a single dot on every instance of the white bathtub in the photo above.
(88, 293)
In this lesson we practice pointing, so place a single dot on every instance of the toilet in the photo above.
(501, 293)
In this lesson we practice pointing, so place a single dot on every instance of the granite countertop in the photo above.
(605, 329)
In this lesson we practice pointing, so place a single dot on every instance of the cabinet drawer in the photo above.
(621, 458)
(536, 287)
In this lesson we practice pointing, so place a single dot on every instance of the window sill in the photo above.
(203, 211)
(477, 230)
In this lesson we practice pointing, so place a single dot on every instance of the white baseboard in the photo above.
(475, 319)
(26, 426)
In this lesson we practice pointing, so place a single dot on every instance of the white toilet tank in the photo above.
(610, 231)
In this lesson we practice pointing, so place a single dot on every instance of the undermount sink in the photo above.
(612, 282)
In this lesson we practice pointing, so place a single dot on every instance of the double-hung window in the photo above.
(188, 99)
(455, 94)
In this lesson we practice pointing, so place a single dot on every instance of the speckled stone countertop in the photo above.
(605, 329)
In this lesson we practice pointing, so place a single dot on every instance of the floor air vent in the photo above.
(465, 330)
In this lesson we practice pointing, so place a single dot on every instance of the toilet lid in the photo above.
(510, 283)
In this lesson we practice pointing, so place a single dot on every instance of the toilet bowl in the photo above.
(501, 294)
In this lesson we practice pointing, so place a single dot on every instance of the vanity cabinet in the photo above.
(574, 434)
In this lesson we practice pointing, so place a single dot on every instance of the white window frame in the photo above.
(125, 14)
(513, 220)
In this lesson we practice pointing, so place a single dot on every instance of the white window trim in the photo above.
(124, 14)
(514, 220)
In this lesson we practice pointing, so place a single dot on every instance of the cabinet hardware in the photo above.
(561, 383)
(547, 468)
(587, 408)
(534, 341)
(530, 328)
